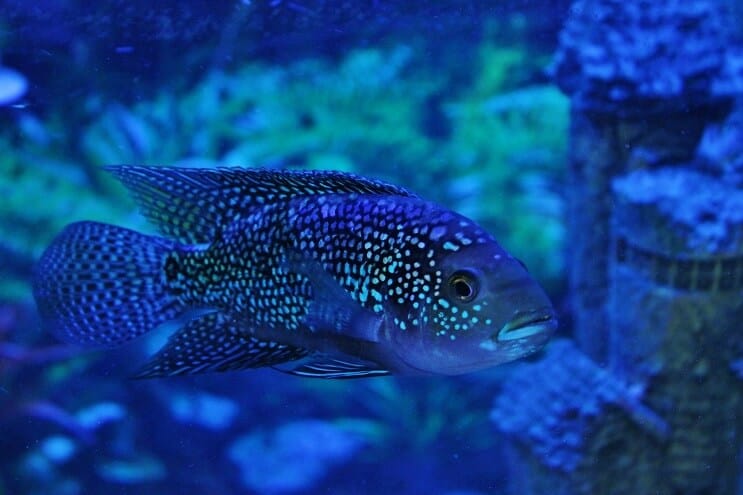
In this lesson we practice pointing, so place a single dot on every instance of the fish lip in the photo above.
(541, 322)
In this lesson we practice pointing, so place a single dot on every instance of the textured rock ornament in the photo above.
(656, 219)
(669, 401)
(574, 426)
(645, 57)
(645, 78)
(720, 151)
(675, 310)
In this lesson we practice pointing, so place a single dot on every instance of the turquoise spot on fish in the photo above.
(450, 246)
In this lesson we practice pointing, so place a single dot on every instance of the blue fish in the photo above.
(315, 273)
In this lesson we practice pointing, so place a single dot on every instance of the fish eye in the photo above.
(464, 286)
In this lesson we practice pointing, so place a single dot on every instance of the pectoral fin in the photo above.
(323, 366)
(333, 310)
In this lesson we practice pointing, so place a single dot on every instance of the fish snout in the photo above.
(539, 323)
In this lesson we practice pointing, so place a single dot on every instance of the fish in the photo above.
(314, 273)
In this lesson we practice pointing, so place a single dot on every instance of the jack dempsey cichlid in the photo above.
(315, 273)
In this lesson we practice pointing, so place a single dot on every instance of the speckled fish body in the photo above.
(318, 273)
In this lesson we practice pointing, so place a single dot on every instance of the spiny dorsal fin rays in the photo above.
(191, 204)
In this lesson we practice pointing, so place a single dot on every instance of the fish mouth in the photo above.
(528, 324)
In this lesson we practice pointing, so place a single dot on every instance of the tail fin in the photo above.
(102, 285)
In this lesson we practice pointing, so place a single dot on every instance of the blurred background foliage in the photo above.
(491, 147)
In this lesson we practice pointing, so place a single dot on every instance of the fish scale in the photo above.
(320, 273)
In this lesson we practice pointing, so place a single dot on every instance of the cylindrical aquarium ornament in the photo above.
(644, 78)
(656, 227)
(676, 303)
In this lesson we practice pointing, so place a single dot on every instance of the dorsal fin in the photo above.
(191, 204)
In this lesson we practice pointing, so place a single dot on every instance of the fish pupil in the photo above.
(464, 286)
(462, 289)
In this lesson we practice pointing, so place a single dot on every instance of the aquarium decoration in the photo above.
(575, 425)
(645, 79)
(656, 214)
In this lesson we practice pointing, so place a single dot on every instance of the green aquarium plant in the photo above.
(507, 149)
(309, 113)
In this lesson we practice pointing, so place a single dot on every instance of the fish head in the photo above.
(482, 309)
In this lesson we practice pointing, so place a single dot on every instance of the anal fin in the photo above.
(215, 342)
